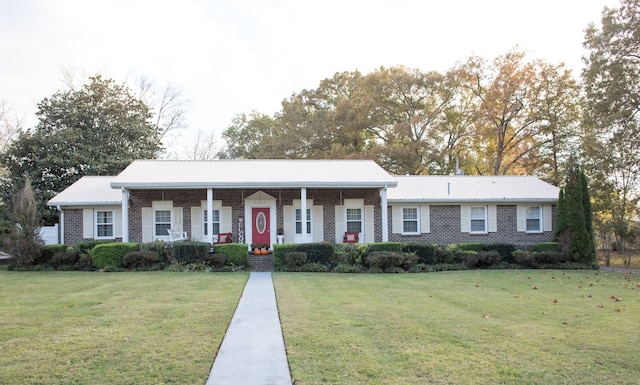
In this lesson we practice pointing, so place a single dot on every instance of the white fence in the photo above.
(49, 234)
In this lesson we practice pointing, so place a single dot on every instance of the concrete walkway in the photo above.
(252, 352)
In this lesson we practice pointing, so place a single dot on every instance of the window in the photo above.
(533, 219)
(299, 221)
(104, 224)
(216, 222)
(478, 216)
(410, 220)
(354, 220)
(162, 222)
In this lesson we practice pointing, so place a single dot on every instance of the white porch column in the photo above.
(210, 214)
(125, 215)
(385, 223)
(303, 214)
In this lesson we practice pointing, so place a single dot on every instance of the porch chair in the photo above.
(223, 238)
(350, 237)
(175, 236)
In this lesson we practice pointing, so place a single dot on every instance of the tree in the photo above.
(521, 109)
(23, 241)
(169, 106)
(611, 143)
(574, 217)
(96, 130)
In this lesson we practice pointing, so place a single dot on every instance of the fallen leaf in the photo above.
(534, 287)
(618, 310)
(555, 300)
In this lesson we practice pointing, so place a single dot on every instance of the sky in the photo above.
(237, 56)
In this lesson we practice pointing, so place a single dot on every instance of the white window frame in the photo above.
(163, 234)
(297, 221)
(205, 228)
(98, 224)
(347, 221)
(416, 220)
(477, 218)
(539, 218)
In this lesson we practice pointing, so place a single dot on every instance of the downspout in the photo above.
(384, 209)
(61, 224)
(125, 215)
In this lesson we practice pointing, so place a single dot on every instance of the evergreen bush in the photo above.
(109, 255)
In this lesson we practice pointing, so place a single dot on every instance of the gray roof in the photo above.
(458, 189)
(263, 173)
(89, 191)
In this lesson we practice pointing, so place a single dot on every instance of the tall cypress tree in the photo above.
(588, 218)
(561, 214)
(575, 217)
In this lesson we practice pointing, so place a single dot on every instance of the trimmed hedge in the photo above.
(236, 253)
(390, 261)
(295, 258)
(141, 259)
(47, 252)
(536, 260)
(547, 246)
(426, 253)
(316, 253)
(109, 255)
(385, 246)
(504, 249)
(471, 246)
(477, 260)
(67, 259)
(190, 252)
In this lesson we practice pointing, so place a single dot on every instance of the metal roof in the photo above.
(89, 191)
(459, 188)
(263, 173)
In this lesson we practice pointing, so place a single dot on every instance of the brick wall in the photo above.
(73, 223)
(445, 228)
(234, 198)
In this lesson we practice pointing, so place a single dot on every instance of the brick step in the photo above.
(260, 262)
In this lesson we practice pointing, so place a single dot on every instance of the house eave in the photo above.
(250, 185)
(467, 201)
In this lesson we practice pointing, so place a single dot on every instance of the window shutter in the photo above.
(465, 221)
(340, 224)
(492, 217)
(522, 218)
(369, 224)
(289, 224)
(547, 221)
(196, 224)
(396, 219)
(318, 224)
(178, 220)
(87, 223)
(226, 218)
(117, 223)
(147, 224)
(425, 219)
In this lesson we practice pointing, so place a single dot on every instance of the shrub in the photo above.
(347, 268)
(85, 247)
(190, 252)
(536, 260)
(236, 253)
(385, 260)
(279, 251)
(443, 256)
(140, 259)
(504, 249)
(547, 246)
(47, 252)
(217, 260)
(470, 246)
(65, 258)
(426, 253)
(109, 255)
(295, 258)
(478, 260)
(349, 253)
(313, 268)
(385, 246)
(317, 252)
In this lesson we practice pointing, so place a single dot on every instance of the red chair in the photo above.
(223, 238)
(350, 237)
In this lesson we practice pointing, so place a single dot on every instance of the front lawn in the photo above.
(113, 328)
(469, 327)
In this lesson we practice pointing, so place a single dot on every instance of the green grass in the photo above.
(471, 327)
(113, 328)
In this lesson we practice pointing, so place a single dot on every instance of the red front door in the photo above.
(260, 232)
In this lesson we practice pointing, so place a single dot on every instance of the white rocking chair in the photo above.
(175, 236)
